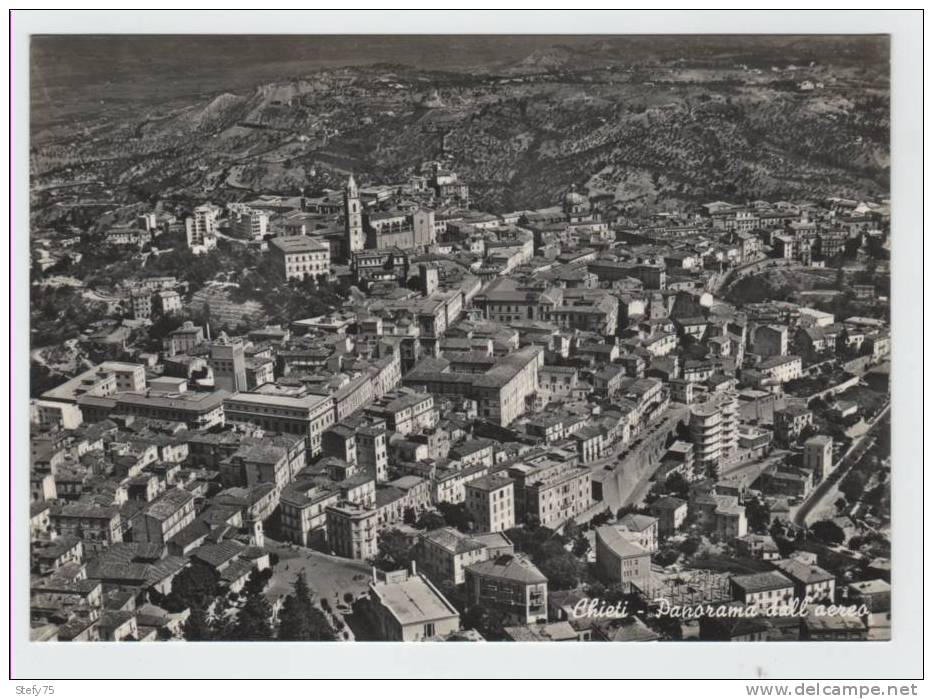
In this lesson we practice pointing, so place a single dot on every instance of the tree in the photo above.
(253, 623)
(531, 538)
(394, 551)
(195, 587)
(301, 620)
(41, 379)
(563, 570)
(197, 627)
(759, 515)
(600, 518)
(828, 532)
(429, 520)
(853, 486)
(779, 533)
(456, 515)
(489, 621)
(666, 557)
(806, 433)
(689, 546)
(580, 546)
(257, 581)
(677, 485)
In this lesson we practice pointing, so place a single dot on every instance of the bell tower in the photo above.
(353, 215)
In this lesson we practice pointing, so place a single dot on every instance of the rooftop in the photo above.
(513, 567)
(413, 600)
(453, 540)
(294, 244)
(757, 582)
(619, 544)
(489, 483)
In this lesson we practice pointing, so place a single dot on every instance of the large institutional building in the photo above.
(500, 386)
(300, 257)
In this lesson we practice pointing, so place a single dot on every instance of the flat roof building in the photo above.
(408, 607)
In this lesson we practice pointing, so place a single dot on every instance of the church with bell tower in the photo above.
(355, 238)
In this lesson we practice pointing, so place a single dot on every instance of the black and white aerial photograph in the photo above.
(459, 338)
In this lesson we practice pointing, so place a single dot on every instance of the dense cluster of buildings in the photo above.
(532, 368)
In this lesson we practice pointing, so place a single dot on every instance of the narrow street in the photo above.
(828, 490)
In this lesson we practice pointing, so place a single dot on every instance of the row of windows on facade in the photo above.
(313, 257)
(307, 268)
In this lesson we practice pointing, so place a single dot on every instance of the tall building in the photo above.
(428, 276)
(353, 215)
(228, 362)
(714, 430)
(490, 500)
(168, 301)
(251, 224)
(551, 489)
(818, 455)
(141, 300)
(201, 228)
(351, 530)
(372, 450)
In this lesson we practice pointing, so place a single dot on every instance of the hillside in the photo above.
(616, 116)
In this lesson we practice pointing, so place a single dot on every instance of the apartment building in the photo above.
(351, 530)
(551, 492)
(97, 526)
(490, 500)
(714, 430)
(779, 370)
(250, 224)
(811, 583)
(444, 554)
(164, 518)
(620, 560)
(405, 411)
(303, 507)
(511, 584)
(768, 590)
(201, 228)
